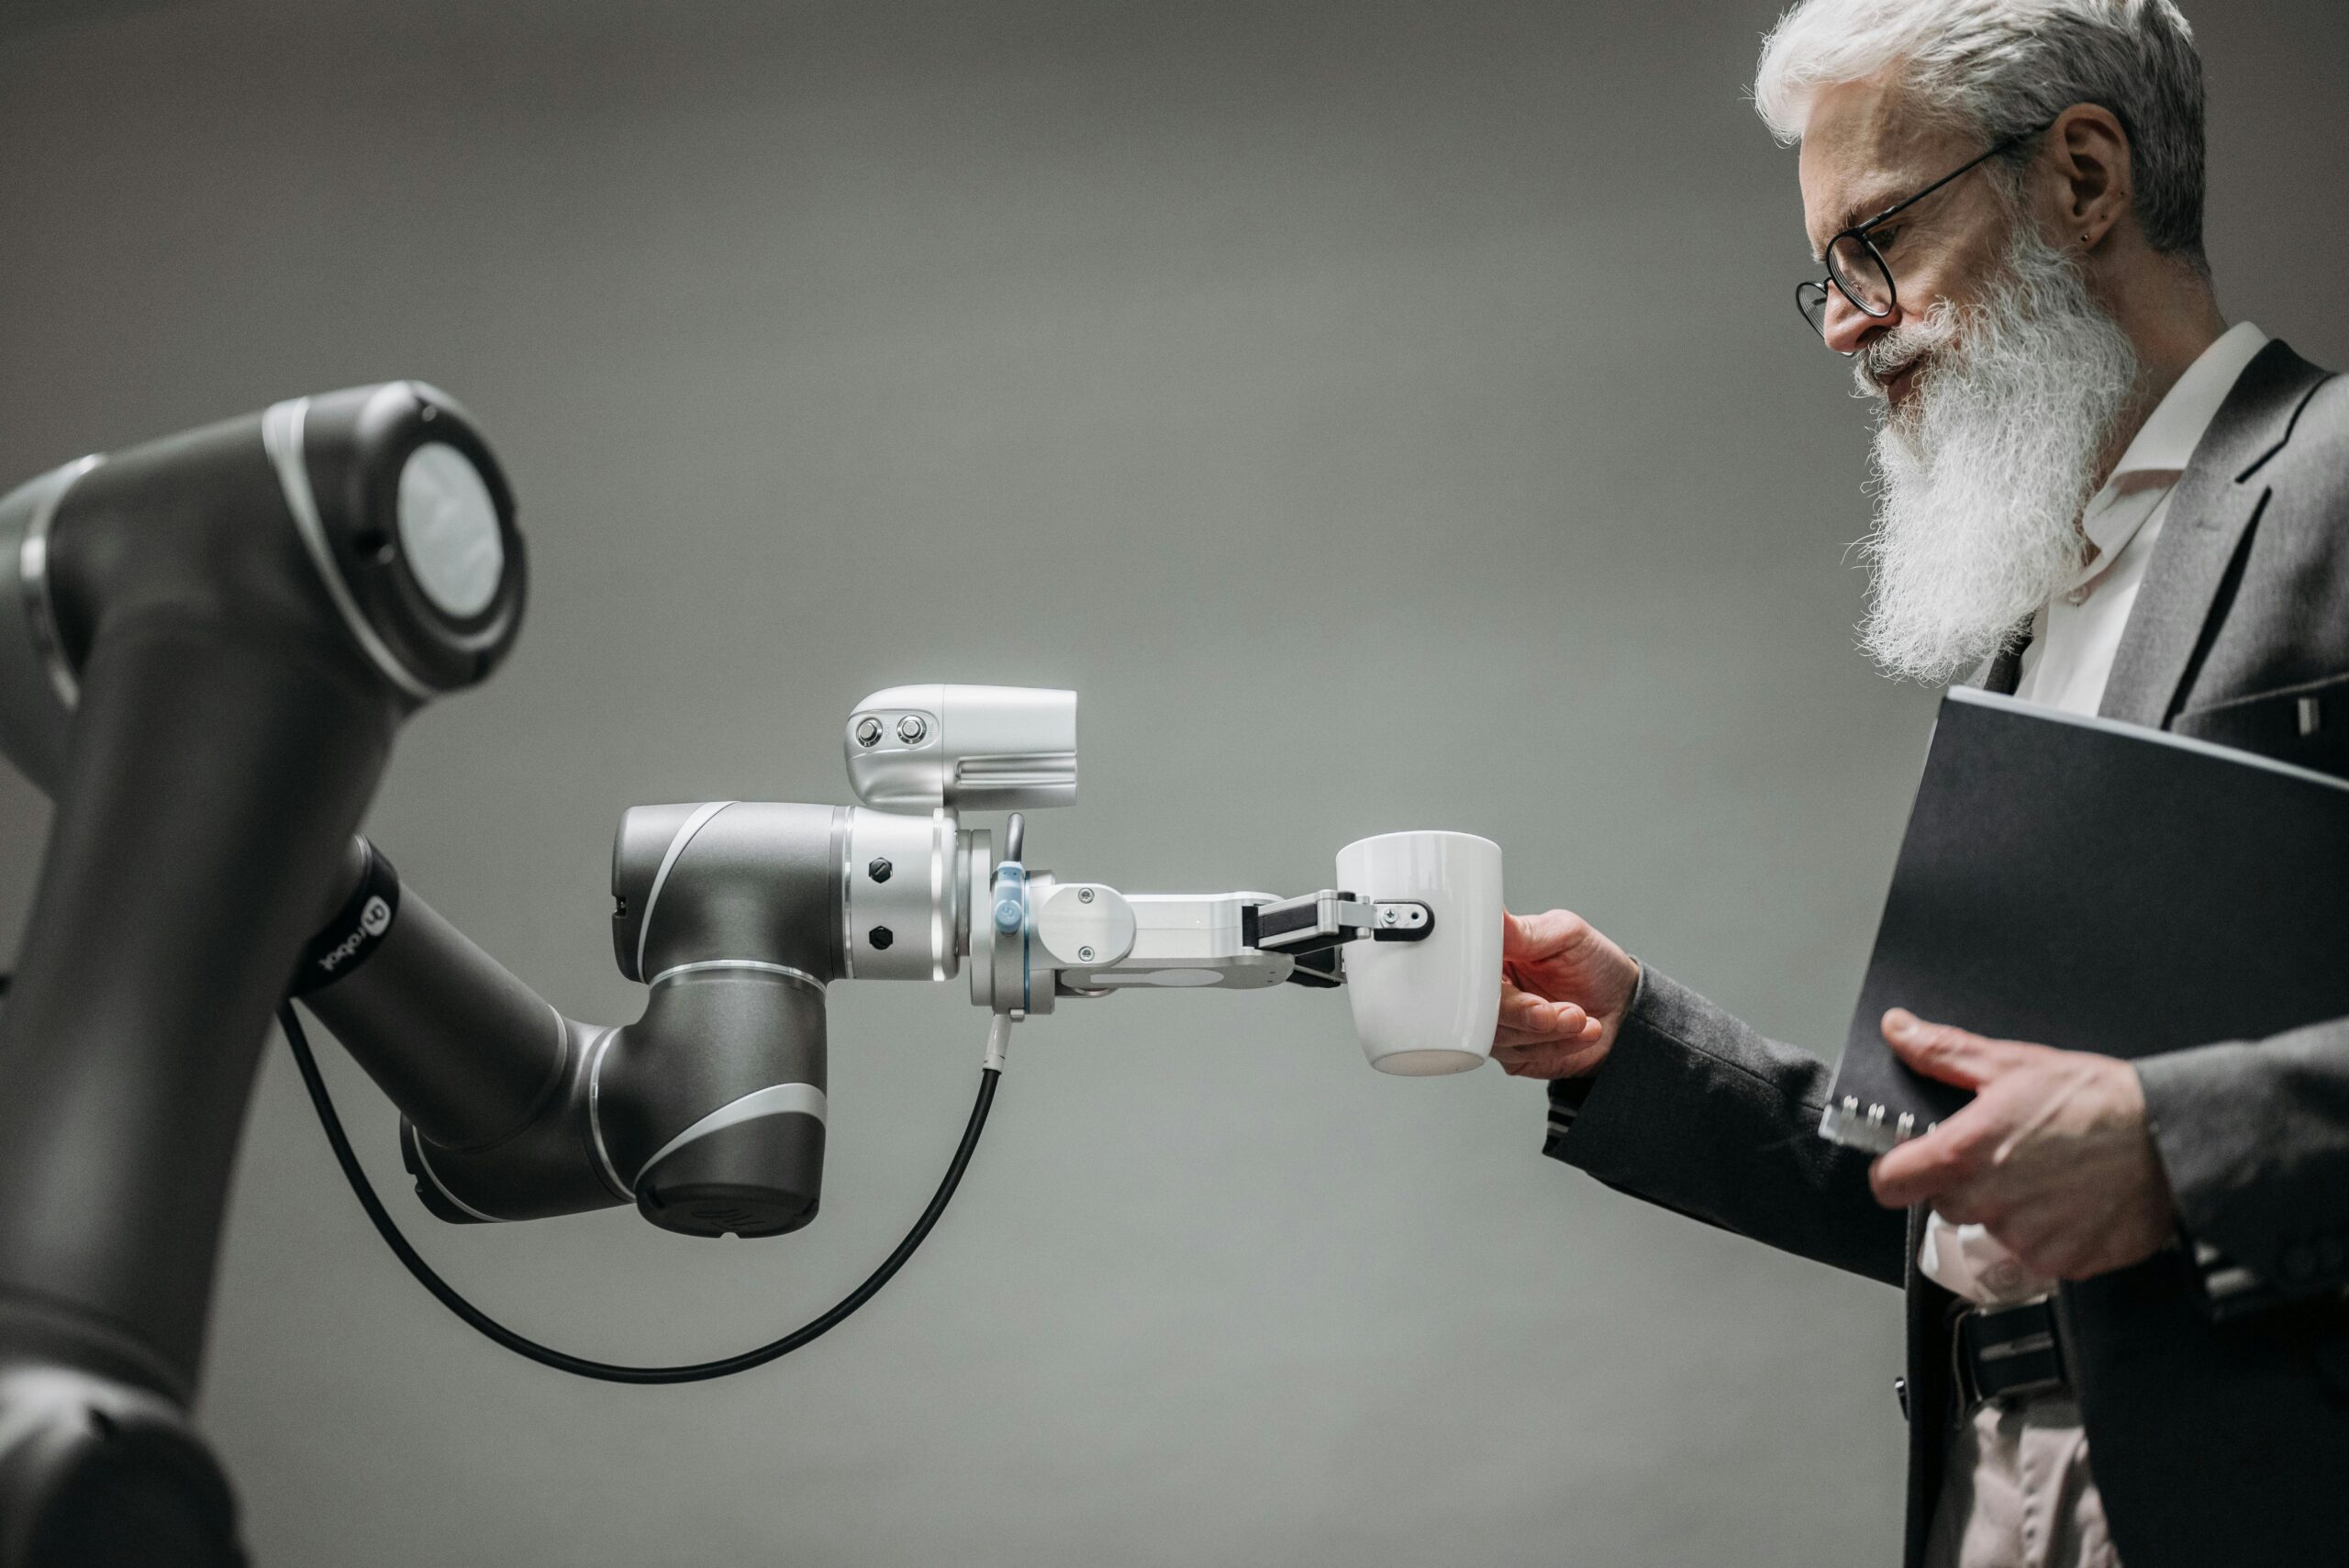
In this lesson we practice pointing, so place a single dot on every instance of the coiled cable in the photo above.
(580, 1366)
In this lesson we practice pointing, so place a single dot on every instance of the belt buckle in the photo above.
(2033, 1332)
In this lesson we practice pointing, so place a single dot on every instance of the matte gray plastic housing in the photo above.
(207, 644)
(707, 1112)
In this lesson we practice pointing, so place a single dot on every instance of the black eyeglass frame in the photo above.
(1812, 296)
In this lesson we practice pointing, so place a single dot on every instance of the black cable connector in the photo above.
(609, 1372)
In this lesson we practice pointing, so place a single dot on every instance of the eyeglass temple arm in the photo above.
(1861, 229)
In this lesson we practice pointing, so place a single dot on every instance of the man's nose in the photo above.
(1848, 328)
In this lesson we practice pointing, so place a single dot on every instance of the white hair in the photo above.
(2001, 67)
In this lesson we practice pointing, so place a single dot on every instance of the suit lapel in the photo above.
(2214, 507)
(2005, 671)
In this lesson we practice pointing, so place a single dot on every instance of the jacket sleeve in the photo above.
(1695, 1111)
(2254, 1139)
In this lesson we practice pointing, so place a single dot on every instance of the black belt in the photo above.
(2009, 1352)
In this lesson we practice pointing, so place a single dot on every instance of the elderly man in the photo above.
(2103, 498)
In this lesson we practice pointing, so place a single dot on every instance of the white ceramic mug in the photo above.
(1427, 1007)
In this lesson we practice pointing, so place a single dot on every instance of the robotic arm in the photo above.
(206, 644)
(709, 1112)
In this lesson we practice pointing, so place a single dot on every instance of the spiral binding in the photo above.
(1847, 1123)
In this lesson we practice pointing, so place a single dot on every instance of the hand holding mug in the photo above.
(1565, 987)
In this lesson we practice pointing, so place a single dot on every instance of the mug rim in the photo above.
(1423, 833)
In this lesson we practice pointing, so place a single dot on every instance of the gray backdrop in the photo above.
(1386, 414)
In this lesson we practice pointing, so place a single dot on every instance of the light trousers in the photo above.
(2017, 1491)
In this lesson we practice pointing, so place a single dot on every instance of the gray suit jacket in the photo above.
(2213, 1443)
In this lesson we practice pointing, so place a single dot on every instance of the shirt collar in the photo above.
(2165, 444)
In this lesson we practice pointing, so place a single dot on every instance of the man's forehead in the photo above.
(1864, 147)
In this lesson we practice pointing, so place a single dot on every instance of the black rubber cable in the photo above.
(609, 1372)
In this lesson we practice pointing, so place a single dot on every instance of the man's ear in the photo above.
(2093, 184)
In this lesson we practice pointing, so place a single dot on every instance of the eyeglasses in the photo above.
(1858, 270)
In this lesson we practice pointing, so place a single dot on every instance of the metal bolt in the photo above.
(880, 869)
(1084, 895)
(868, 732)
(1085, 954)
(881, 937)
(910, 728)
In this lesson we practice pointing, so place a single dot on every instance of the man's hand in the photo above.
(1563, 989)
(2053, 1157)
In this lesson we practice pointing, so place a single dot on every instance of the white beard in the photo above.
(1981, 480)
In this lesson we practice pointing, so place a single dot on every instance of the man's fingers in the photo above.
(1516, 938)
(1923, 1168)
(1972, 1201)
(1539, 1015)
(1548, 1058)
(1526, 1017)
(1911, 1173)
(1587, 1035)
(2042, 1240)
(1513, 938)
(1947, 1053)
(1531, 937)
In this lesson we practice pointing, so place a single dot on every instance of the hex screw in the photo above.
(868, 733)
(1084, 895)
(1085, 955)
(880, 869)
(881, 937)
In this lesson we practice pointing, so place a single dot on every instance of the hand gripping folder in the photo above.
(2098, 886)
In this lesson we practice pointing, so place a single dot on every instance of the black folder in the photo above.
(2098, 886)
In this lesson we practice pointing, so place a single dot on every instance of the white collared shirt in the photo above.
(2073, 641)
(2076, 635)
